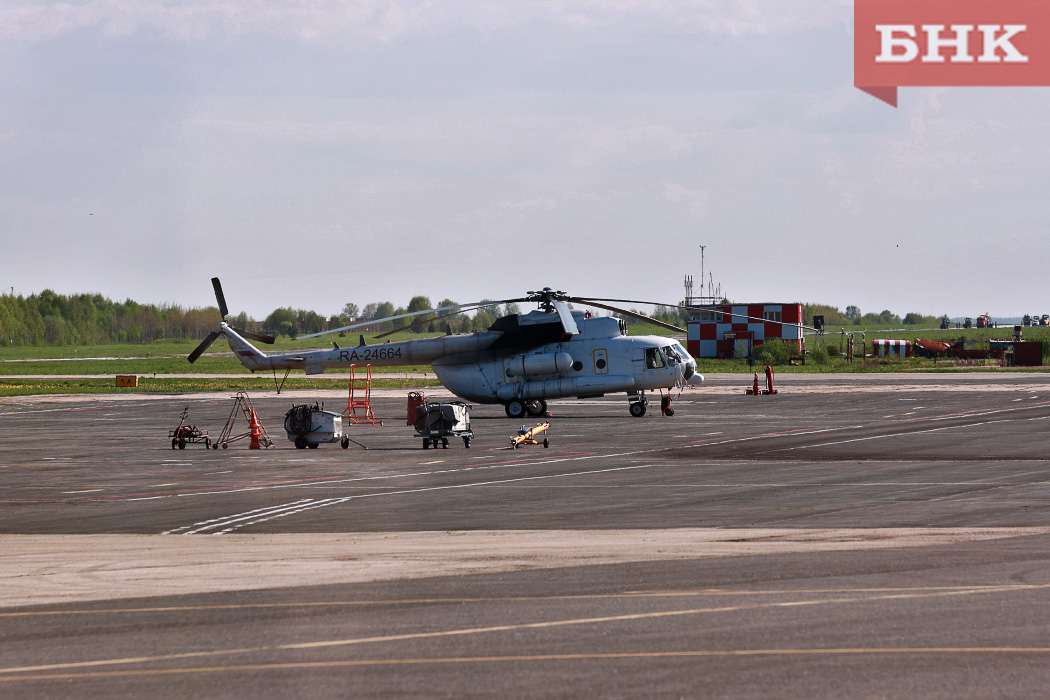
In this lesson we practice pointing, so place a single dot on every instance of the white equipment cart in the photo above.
(436, 422)
(309, 426)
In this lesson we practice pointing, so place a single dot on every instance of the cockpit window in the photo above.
(654, 358)
(672, 355)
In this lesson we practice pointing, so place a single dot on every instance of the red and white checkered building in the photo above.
(728, 331)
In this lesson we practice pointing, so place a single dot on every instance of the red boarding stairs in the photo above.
(360, 397)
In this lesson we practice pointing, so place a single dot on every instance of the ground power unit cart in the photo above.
(309, 426)
(437, 422)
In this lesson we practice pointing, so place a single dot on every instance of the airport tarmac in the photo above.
(852, 536)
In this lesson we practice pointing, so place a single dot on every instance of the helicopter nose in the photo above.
(689, 371)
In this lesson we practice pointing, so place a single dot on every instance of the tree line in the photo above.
(49, 318)
(852, 316)
(291, 322)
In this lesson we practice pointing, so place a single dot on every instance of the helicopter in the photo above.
(521, 361)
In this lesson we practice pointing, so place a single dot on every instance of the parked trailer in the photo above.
(309, 426)
(437, 422)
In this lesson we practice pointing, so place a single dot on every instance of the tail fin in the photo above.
(250, 356)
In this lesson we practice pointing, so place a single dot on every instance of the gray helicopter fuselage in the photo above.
(599, 360)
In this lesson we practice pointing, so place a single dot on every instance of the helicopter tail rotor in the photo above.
(224, 311)
(220, 298)
(205, 344)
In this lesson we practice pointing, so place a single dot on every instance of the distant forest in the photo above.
(48, 318)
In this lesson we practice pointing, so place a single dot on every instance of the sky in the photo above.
(312, 154)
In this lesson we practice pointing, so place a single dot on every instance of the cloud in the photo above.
(327, 21)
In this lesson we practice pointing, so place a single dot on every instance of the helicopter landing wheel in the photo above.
(515, 409)
(535, 407)
(637, 409)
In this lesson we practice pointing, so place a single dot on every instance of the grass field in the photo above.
(169, 385)
(153, 362)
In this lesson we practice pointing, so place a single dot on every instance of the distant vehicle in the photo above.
(945, 323)
(983, 321)
(968, 323)
(1026, 321)
(1045, 320)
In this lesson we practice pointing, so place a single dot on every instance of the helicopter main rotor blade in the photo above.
(219, 297)
(633, 314)
(415, 324)
(199, 350)
(252, 335)
(452, 311)
(717, 308)
(446, 309)
(565, 314)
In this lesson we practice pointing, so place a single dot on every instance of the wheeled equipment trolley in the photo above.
(188, 434)
(437, 422)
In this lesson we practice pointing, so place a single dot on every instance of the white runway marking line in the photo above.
(10, 673)
(208, 523)
(262, 515)
(930, 430)
(510, 465)
(481, 467)
(579, 458)
(890, 435)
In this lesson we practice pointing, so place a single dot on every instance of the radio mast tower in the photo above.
(711, 295)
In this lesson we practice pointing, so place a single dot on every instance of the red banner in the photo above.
(948, 43)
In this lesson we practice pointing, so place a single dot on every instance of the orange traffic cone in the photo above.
(755, 390)
(255, 432)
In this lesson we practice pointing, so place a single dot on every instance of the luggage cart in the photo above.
(437, 422)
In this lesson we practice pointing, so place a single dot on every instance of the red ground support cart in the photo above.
(188, 434)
